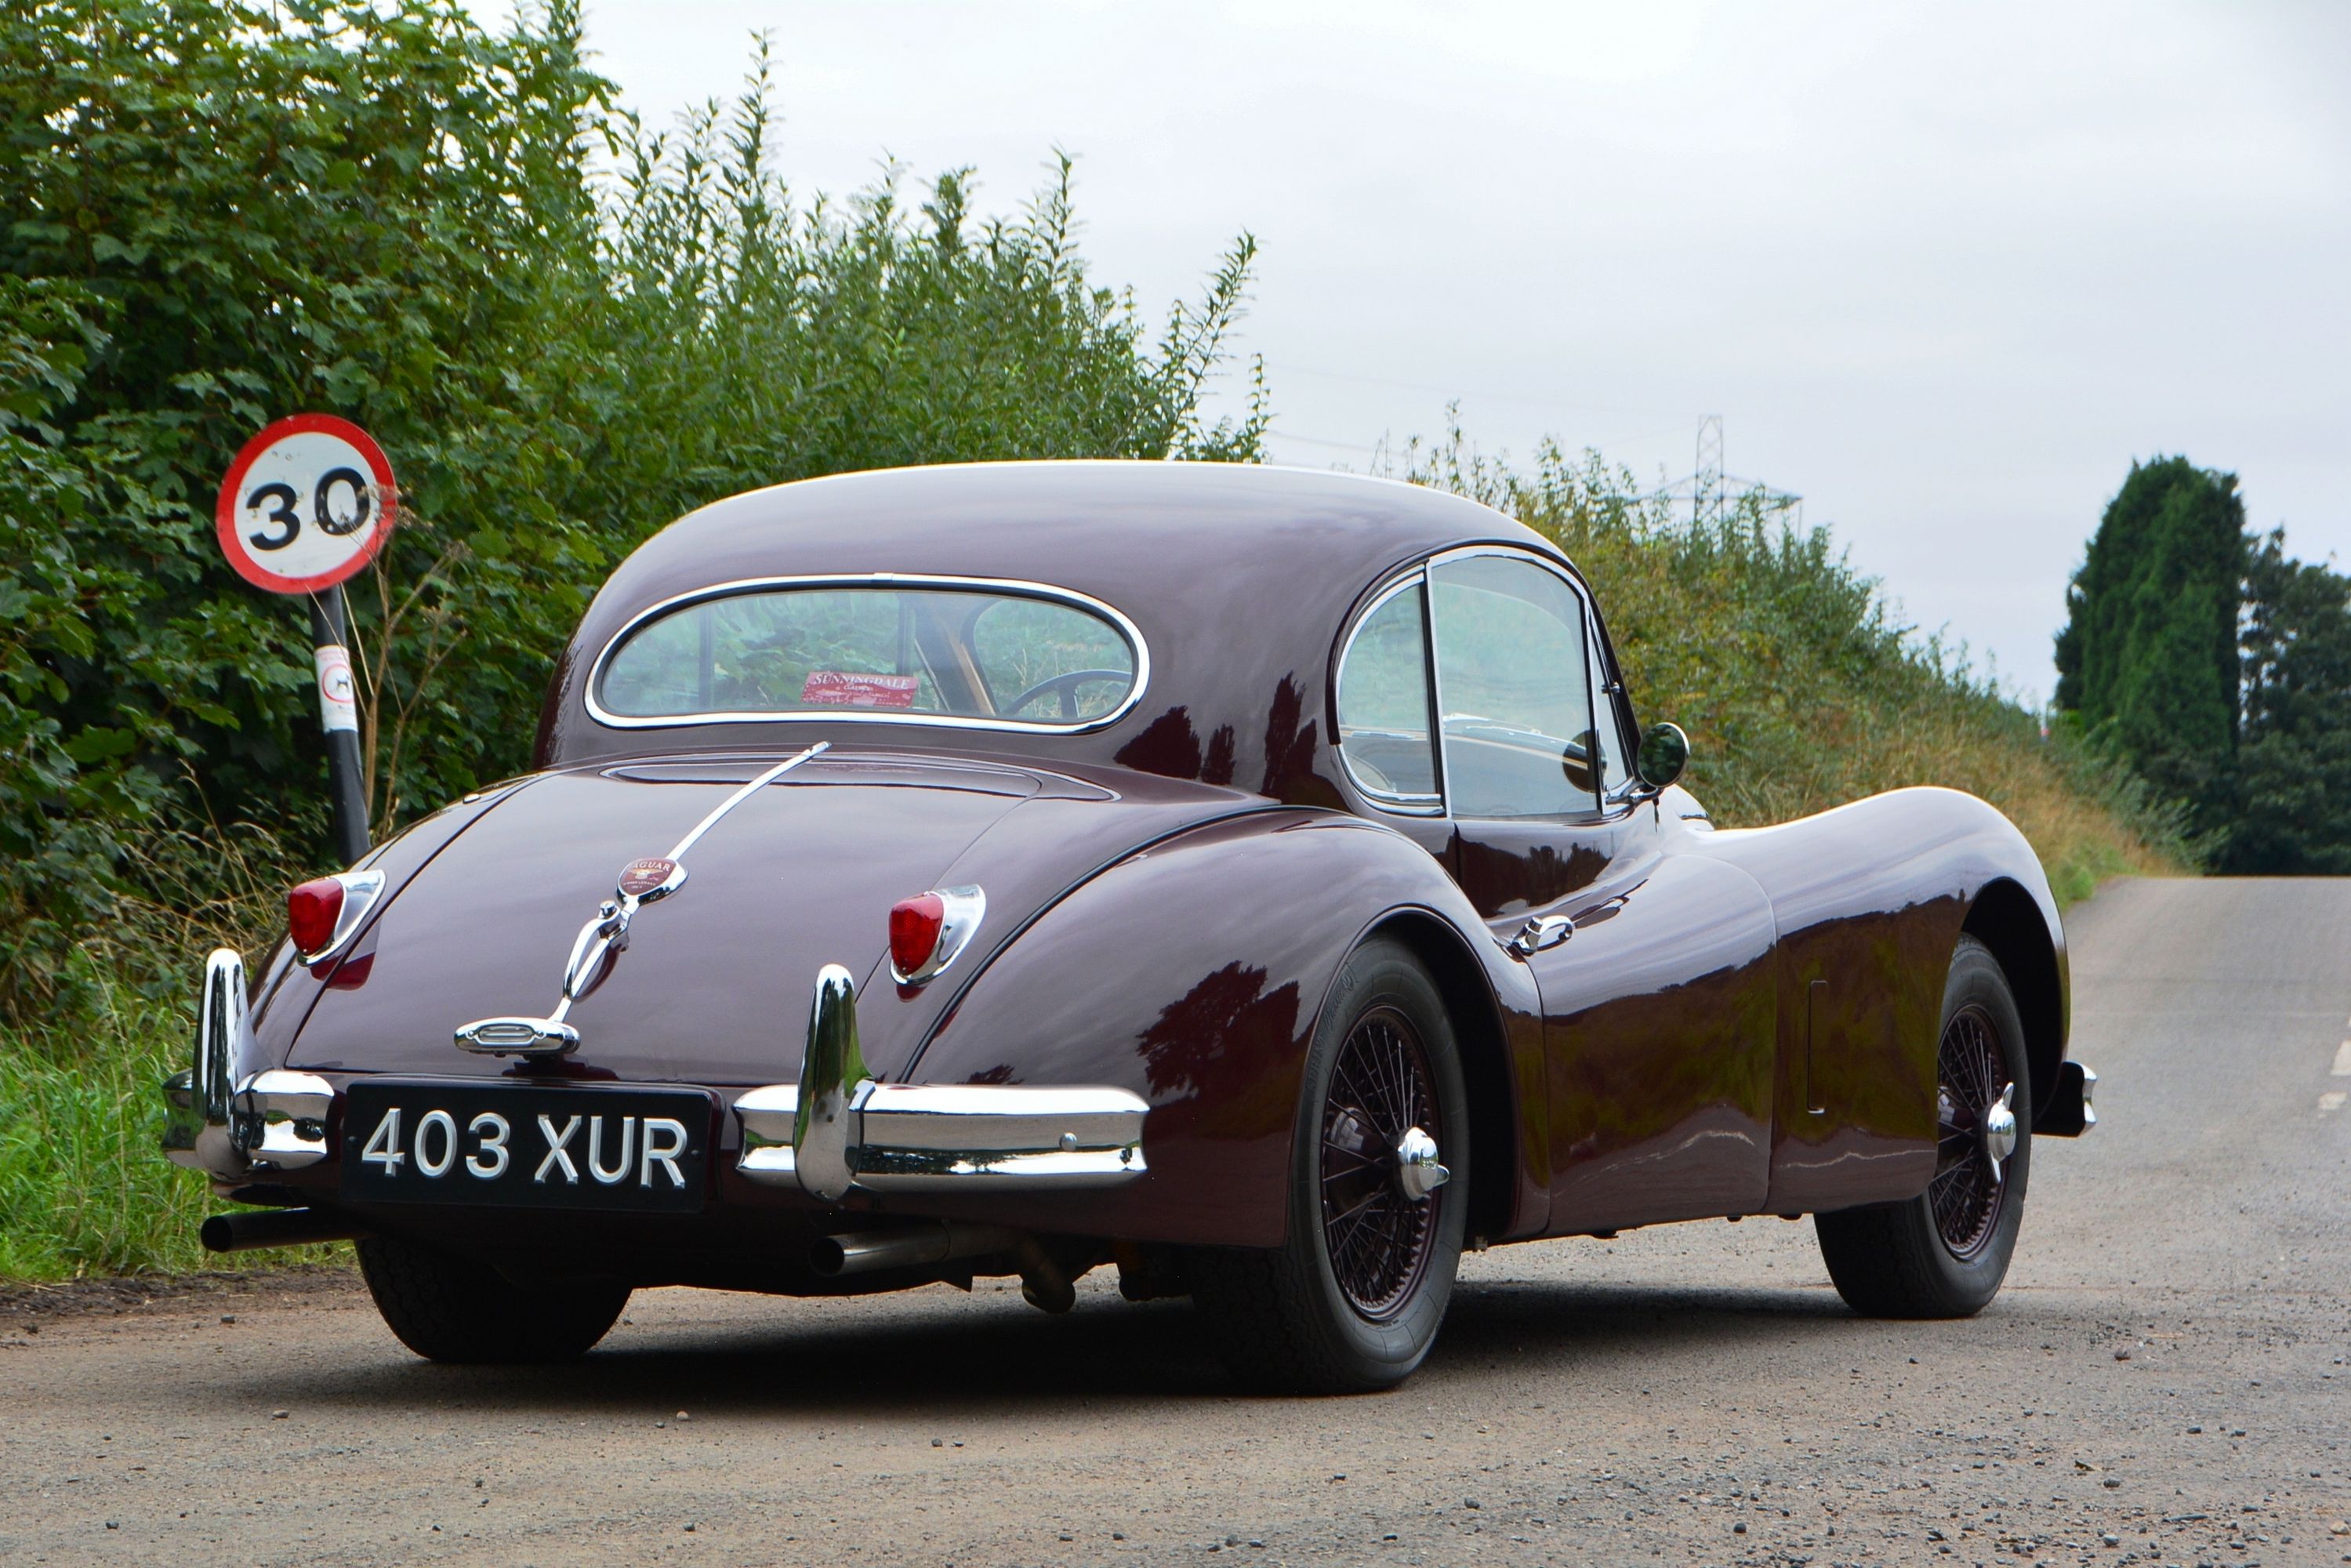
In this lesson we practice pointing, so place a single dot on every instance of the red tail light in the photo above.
(311, 913)
(915, 927)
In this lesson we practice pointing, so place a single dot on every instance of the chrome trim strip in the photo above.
(966, 908)
(693, 836)
(1011, 587)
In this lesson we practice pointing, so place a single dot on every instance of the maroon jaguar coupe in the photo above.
(1255, 880)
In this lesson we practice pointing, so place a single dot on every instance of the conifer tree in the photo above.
(2150, 653)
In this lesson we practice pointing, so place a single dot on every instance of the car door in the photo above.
(1654, 967)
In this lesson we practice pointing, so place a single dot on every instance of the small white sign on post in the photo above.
(339, 706)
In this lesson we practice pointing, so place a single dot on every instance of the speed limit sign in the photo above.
(306, 504)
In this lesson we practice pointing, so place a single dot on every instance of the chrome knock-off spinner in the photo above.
(1418, 1172)
(1999, 1130)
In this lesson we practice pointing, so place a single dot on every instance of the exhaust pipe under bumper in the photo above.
(275, 1227)
(868, 1251)
(1044, 1283)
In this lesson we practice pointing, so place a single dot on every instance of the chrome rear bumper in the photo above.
(2067, 1110)
(847, 1130)
(908, 1137)
(837, 1128)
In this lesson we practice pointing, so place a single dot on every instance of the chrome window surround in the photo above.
(1415, 805)
(1012, 588)
(1602, 807)
(1416, 575)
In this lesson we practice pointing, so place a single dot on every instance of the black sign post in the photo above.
(308, 503)
(338, 714)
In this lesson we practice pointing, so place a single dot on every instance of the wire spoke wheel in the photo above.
(1970, 1182)
(1380, 1238)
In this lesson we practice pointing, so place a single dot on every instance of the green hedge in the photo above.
(566, 331)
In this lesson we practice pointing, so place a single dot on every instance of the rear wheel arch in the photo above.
(1485, 1060)
(2006, 920)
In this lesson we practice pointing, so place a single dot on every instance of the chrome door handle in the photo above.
(1542, 930)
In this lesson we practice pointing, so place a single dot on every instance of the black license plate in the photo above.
(644, 1150)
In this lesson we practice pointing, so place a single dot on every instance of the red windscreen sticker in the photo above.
(849, 688)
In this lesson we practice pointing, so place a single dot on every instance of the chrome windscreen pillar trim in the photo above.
(832, 1079)
(196, 1131)
(280, 1119)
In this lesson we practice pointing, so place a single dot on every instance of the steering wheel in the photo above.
(1066, 686)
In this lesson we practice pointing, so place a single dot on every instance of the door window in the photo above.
(1383, 705)
(1513, 689)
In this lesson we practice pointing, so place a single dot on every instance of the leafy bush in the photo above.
(219, 212)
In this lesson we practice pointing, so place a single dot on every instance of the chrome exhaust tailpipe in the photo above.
(1044, 1283)
(868, 1251)
(275, 1227)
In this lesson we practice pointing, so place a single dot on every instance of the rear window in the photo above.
(880, 650)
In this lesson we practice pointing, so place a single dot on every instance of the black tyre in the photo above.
(1944, 1253)
(445, 1308)
(1352, 1301)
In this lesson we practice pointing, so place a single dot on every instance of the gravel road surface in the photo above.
(2166, 1379)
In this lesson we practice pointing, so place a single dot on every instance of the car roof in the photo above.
(1237, 576)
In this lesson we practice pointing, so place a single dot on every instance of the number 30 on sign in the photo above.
(306, 504)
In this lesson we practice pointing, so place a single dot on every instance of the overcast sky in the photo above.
(1944, 271)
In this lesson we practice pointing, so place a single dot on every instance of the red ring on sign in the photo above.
(224, 518)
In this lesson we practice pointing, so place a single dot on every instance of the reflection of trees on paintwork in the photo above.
(1215, 1044)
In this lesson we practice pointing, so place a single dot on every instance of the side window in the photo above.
(1608, 722)
(1383, 707)
(1513, 691)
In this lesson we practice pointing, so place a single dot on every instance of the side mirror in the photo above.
(1665, 752)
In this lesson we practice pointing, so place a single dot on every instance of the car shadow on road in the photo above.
(944, 1353)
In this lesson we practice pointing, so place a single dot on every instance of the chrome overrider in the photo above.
(269, 1121)
(837, 1128)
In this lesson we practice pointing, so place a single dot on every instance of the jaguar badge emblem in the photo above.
(655, 876)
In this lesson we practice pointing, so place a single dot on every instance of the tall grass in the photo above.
(1799, 691)
(84, 1187)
